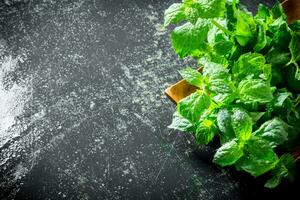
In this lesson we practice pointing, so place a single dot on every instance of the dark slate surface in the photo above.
(82, 109)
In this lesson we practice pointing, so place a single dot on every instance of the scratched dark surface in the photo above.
(82, 109)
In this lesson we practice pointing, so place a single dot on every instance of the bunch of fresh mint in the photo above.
(249, 87)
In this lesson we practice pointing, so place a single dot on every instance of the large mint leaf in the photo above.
(193, 106)
(274, 131)
(251, 65)
(181, 123)
(258, 158)
(255, 90)
(228, 153)
(192, 76)
(174, 14)
(189, 37)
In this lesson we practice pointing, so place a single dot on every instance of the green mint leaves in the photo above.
(228, 153)
(248, 91)
(189, 38)
(174, 14)
(255, 90)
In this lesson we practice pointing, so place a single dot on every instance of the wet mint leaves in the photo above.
(248, 92)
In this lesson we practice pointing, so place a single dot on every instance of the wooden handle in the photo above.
(292, 9)
(296, 154)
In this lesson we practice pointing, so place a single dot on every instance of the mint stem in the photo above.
(221, 27)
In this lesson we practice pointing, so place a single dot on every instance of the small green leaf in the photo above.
(258, 158)
(193, 106)
(224, 125)
(180, 123)
(241, 123)
(192, 14)
(192, 76)
(174, 14)
(274, 131)
(255, 90)
(224, 120)
(205, 132)
(228, 153)
(261, 41)
(189, 37)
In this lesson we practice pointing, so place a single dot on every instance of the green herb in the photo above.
(249, 90)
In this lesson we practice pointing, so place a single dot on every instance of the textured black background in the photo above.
(82, 110)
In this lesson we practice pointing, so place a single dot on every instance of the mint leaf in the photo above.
(205, 131)
(295, 48)
(207, 8)
(245, 28)
(224, 125)
(174, 14)
(256, 116)
(222, 91)
(284, 169)
(282, 36)
(261, 40)
(241, 123)
(219, 83)
(263, 13)
(224, 120)
(228, 153)
(193, 106)
(180, 123)
(274, 131)
(255, 90)
(279, 100)
(258, 158)
(192, 14)
(215, 70)
(277, 57)
(251, 65)
(192, 76)
(223, 47)
(278, 11)
(189, 37)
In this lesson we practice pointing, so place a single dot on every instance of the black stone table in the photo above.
(82, 109)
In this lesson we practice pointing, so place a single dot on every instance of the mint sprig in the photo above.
(248, 91)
